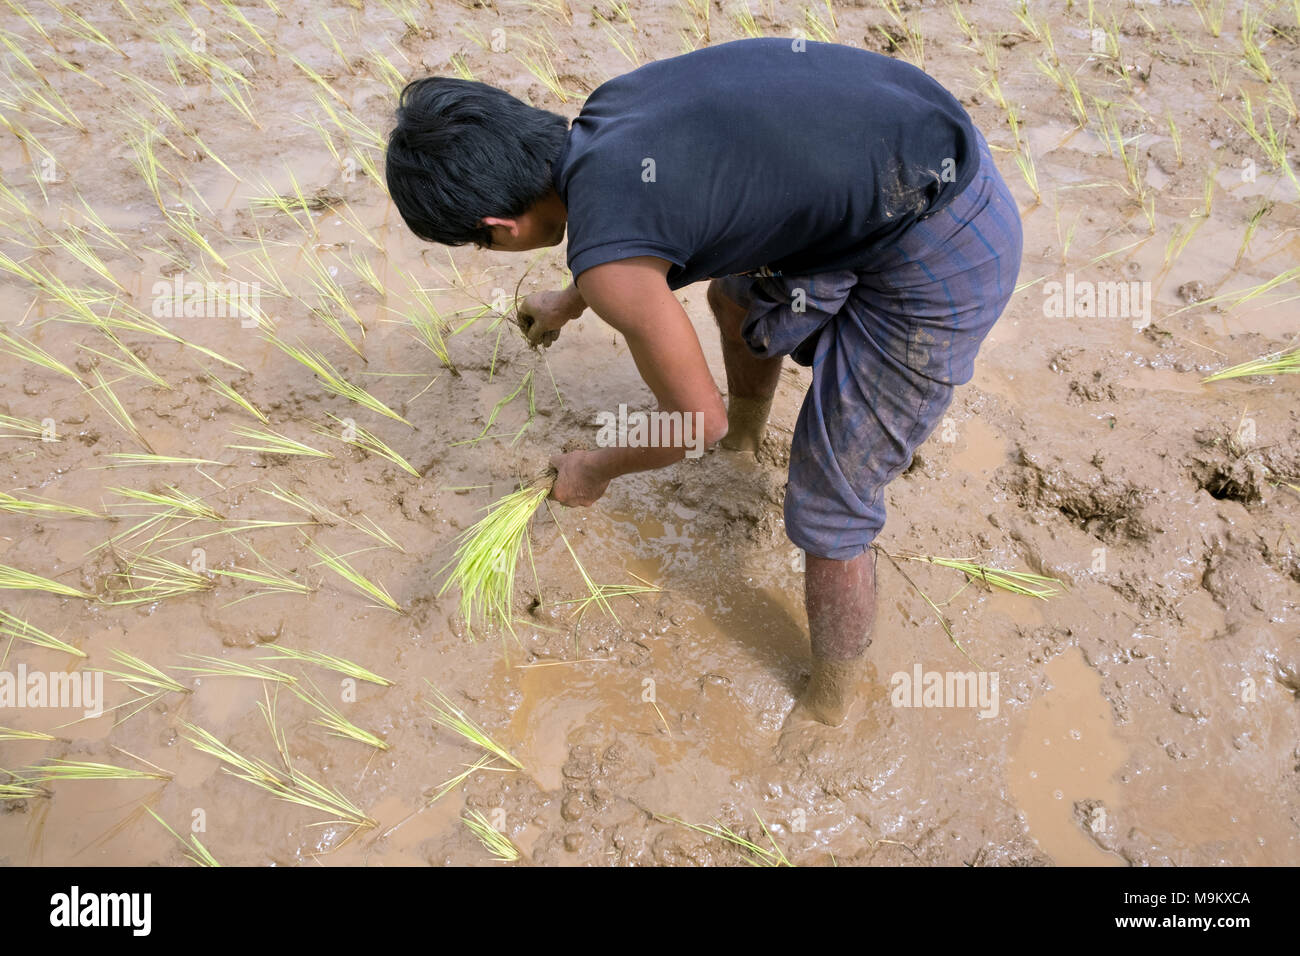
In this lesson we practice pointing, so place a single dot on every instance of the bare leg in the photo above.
(751, 381)
(841, 601)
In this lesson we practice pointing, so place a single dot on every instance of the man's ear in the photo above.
(510, 225)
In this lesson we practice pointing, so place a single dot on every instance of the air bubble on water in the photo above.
(1059, 794)
(1075, 735)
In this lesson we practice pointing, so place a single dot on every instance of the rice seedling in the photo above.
(488, 551)
(291, 786)
(126, 361)
(339, 565)
(497, 843)
(1253, 52)
(273, 443)
(56, 770)
(85, 30)
(967, 28)
(1285, 362)
(555, 9)
(1025, 163)
(1252, 224)
(743, 19)
(428, 322)
(1175, 136)
(44, 506)
(319, 80)
(351, 433)
(625, 45)
(148, 682)
(146, 578)
(460, 67)
(943, 620)
(9, 733)
(333, 381)
(603, 593)
(339, 665)
(541, 66)
(907, 38)
(324, 516)
(332, 719)
(174, 499)
(228, 392)
(1271, 141)
(268, 578)
(25, 428)
(13, 579)
(122, 459)
(1017, 582)
(218, 667)
(194, 849)
(526, 383)
(448, 715)
(758, 855)
(19, 790)
(1211, 13)
(20, 348)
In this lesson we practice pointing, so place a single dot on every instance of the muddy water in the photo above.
(1068, 752)
(1083, 449)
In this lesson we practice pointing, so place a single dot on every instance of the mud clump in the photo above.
(1107, 508)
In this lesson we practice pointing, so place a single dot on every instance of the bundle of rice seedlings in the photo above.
(13, 579)
(195, 851)
(446, 714)
(19, 629)
(1286, 362)
(1017, 582)
(339, 565)
(759, 855)
(488, 552)
(497, 843)
(332, 719)
(18, 789)
(339, 665)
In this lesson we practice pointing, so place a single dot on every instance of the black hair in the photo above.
(464, 150)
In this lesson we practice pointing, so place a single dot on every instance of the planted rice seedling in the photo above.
(15, 427)
(339, 565)
(291, 785)
(56, 770)
(146, 578)
(20, 348)
(218, 667)
(333, 381)
(1285, 362)
(448, 715)
(488, 552)
(332, 719)
(273, 443)
(227, 391)
(43, 506)
(8, 733)
(349, 432)
(14, 579)
(194, 849)
(173, 498)
(339, 665)
(497, 843)
(268, 578)
(18, 629)
(148, 682)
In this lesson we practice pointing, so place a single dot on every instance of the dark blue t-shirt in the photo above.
(759, 156)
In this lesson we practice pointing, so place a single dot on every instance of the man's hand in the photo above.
(542, 314)
(579, 482)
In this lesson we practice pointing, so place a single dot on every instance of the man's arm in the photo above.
(632, 295)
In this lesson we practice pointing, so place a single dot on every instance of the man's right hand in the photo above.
(542, 314)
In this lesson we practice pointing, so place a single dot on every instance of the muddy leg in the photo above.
(841, 600)
(751, 381)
